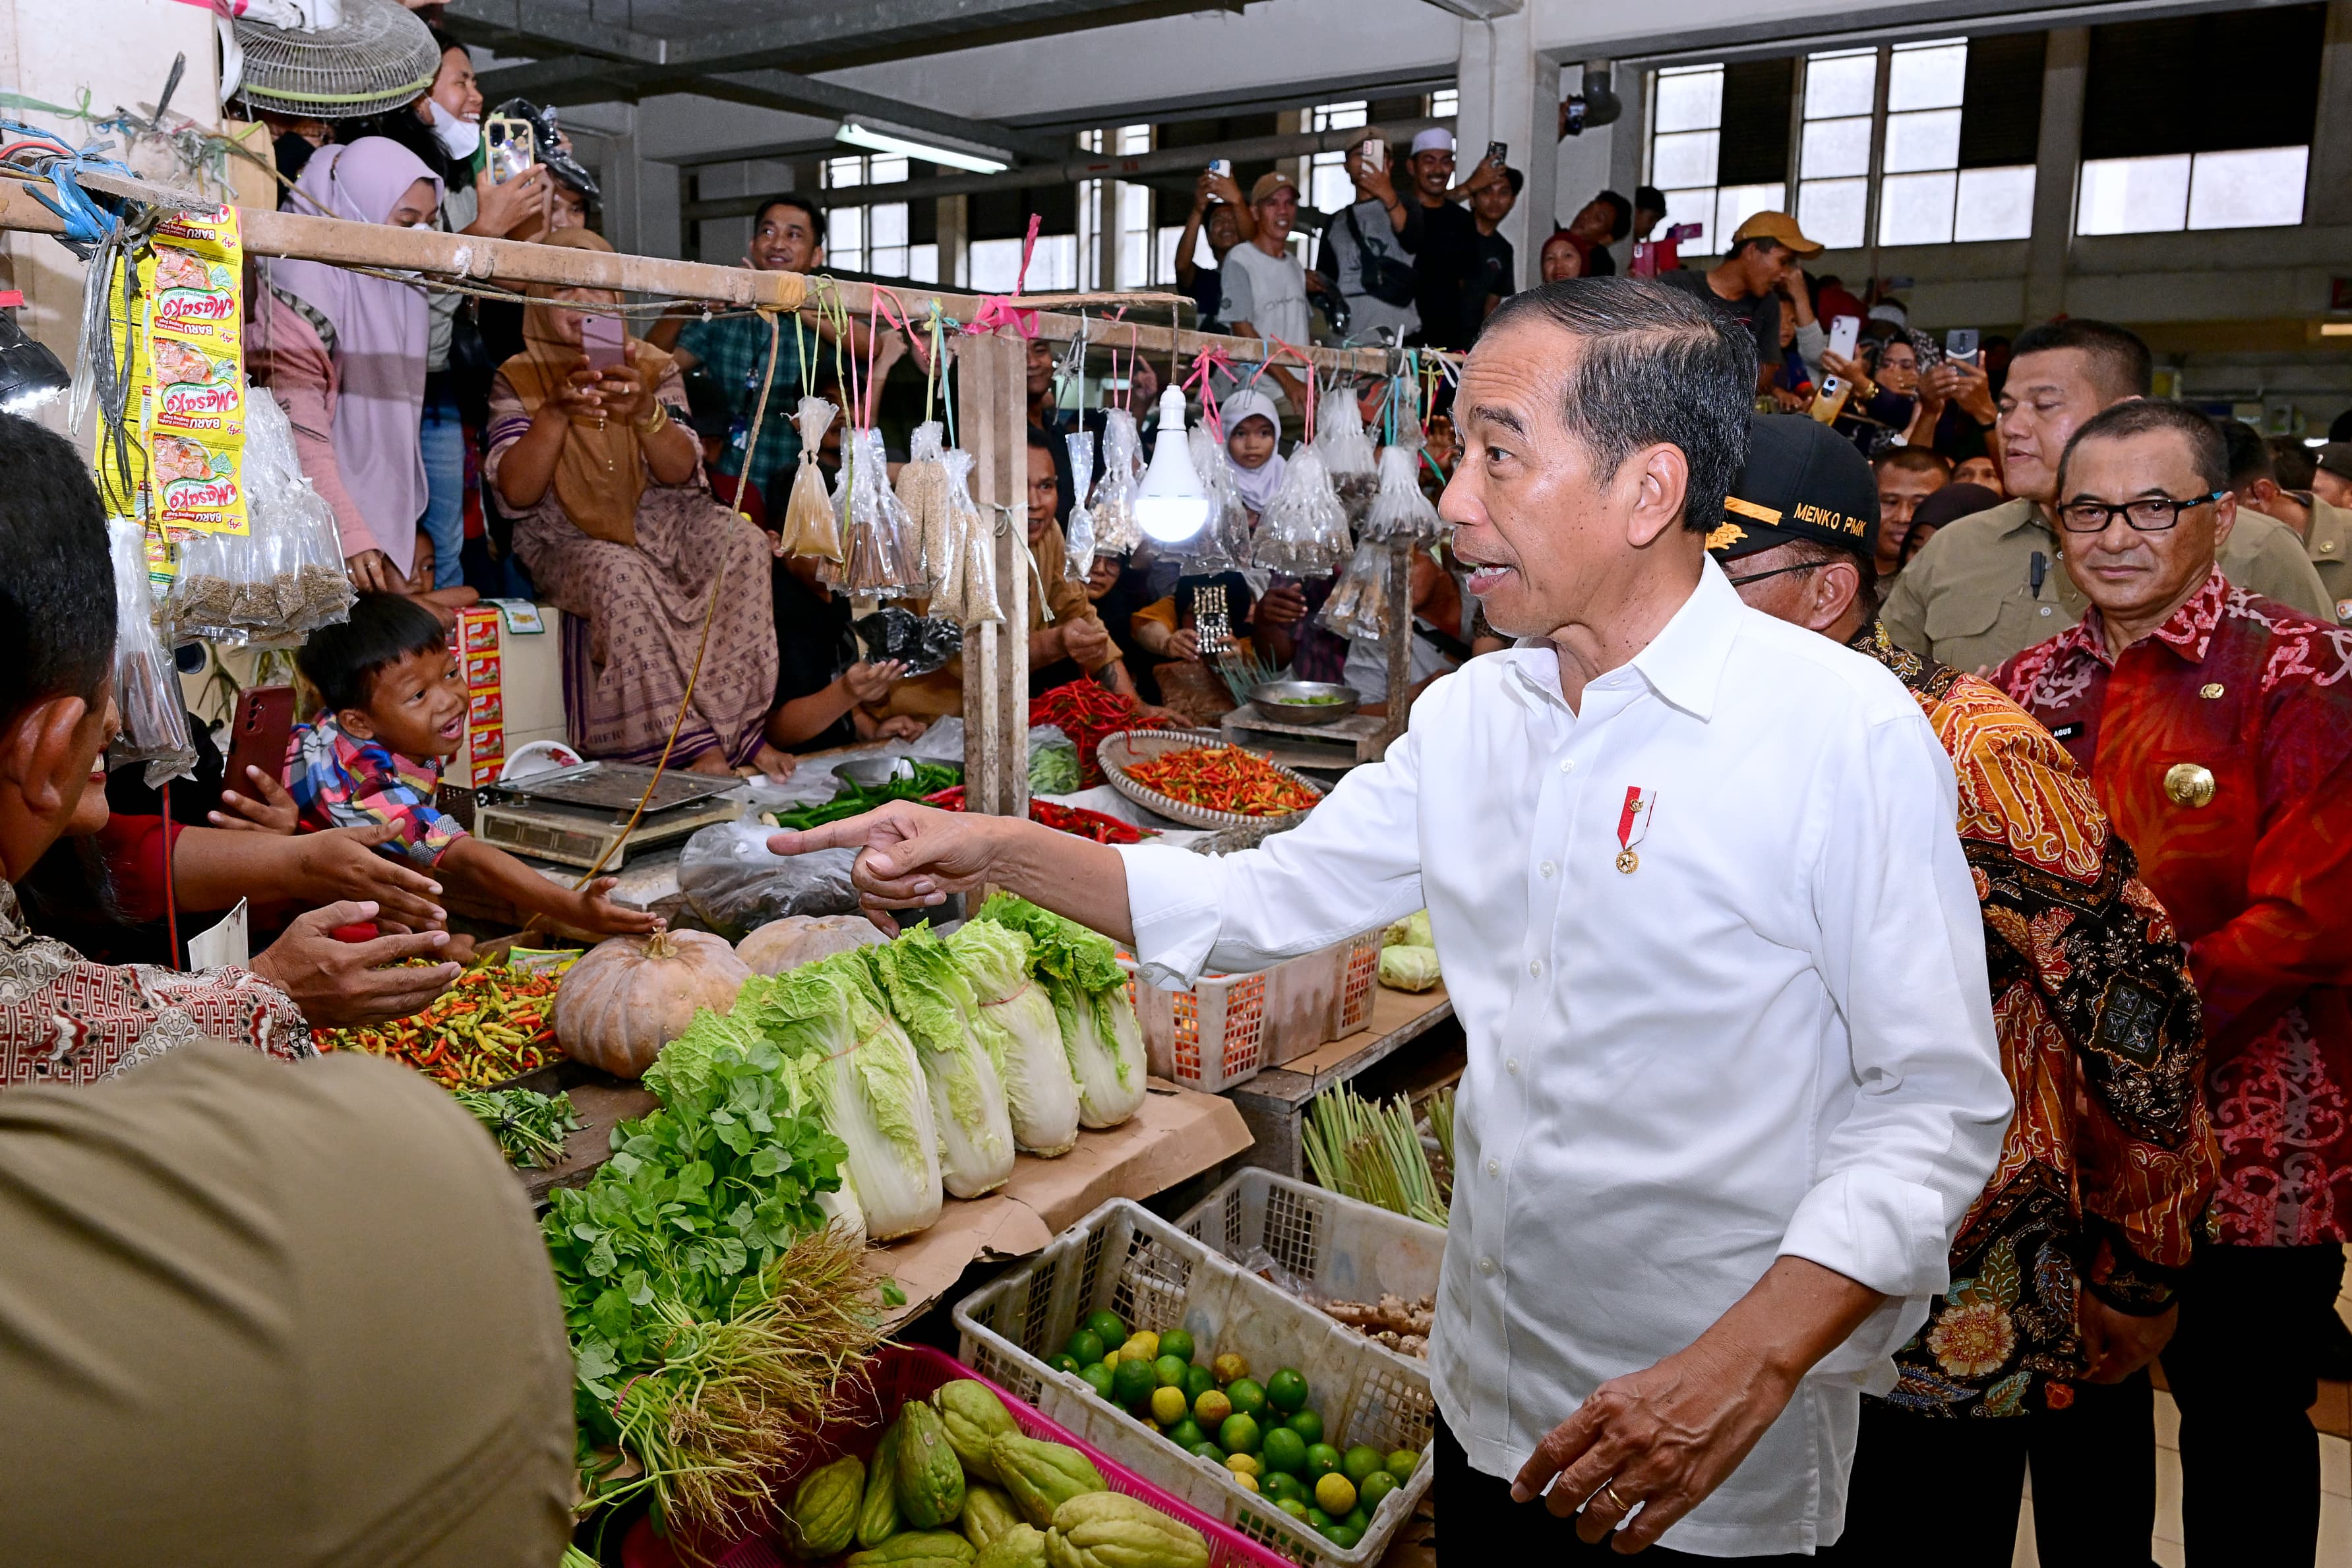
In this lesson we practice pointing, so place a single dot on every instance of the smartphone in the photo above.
(1222, 167)
(603, 336)
(1376, 154)
(259, 729)
(1960, 343)
(512, 146)
(1830, 401)
(1683, 231)
(1845, 335)
(1498, 151)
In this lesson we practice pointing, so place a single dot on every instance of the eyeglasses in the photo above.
(2149, 514)
(1777, 571)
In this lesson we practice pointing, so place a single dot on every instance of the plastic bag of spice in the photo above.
(810, 526)
(1116, 530)
(1358, 604)
(1400, 508)
(1346, 449)
(923, 492)
(876, 530)
(1303, 531)
(1080, 537)
(975, 584)
(284, 577)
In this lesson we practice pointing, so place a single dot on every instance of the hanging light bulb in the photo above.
(1172, 505)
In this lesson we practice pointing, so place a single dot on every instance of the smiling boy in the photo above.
(393, 712)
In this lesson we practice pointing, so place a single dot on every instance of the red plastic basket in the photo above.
(902, 1373)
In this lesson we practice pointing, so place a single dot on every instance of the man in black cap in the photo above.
(2062, 1277)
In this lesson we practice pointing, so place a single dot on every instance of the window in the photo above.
(1136, 250)
(995, 265)
(2259, 187)
(1928, 194)
(873, 238)
(1445, 103)
(1715, 123)
(1328, 186)
(1833, 158)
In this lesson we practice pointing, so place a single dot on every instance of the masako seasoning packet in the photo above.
(192, 288)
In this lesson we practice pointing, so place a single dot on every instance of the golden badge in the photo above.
(2211, 690)
(2189, 785)
(1634, 826)
(1628, 862)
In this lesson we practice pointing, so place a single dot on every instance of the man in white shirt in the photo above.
(1266, 289)
(1717, 1131)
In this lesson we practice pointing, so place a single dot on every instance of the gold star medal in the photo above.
(1634, 826)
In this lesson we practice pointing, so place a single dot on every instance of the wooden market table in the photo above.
(1274, 1104)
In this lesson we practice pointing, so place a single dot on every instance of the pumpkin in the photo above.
(796, 940)
(618, 1006)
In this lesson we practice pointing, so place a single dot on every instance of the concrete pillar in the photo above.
(2328, 187)
(2064, 75)
(1586, 163)
(1511, 94)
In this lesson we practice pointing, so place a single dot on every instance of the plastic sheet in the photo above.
(284, 577)
(736, 886)
(931, 525)
(146, 686)
(1303, 531)
(810, 526)
(1116, 530)
(1079, 538)
(1401, 509)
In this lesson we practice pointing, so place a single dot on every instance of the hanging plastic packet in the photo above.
(810, 526)
(146, 685)
(284, 577)
(120, 463)
(975, 583)
(1303, 531)
(876, 555)
(1400, 508)
(1358, 604)
(1078, 537)
(923, 643)
(1347, 453)
(192, 403)
(1116, 530)
(923, 492)
(1226, 544)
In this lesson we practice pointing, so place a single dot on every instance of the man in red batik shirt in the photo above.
(2217, 726)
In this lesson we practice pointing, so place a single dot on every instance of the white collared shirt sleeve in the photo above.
(1902, 954)
(1353, 864)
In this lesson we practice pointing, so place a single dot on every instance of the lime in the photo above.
(1360, 1461)
(1213, 1407)
(1086, 1346)
(1243, 1464)
(1067, 1363)
(1358, 1519)
(1106, 1327)
(1285, 1451)
(1246, 1482)
(1132, 1383)
(1335, 1494)
(1187, 1435)
(1322, 1460)
(1176, 1343)
(1343, 1535)
(1204, 1450)
(1167, 1372)
(1286, 1391)
(1229, 1366)
(1198, 1381)
(1280, 1484)
(1374, 1487)
(1247, 1396)
(1143, 1345)
(1308, 1425)
(1401, 1464)
(1100, 1378)
(1295, 1508)
(1168, 1406)
(1238, 1435)
(1319, 1519)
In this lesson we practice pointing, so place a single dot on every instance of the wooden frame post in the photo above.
(1399, 648)
(992, 386)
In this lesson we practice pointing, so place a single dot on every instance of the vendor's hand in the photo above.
(1792, 402)
(341, 983)
(627, 399)
(342, 863)
(371, 572)
(901, 727)
(2117, 1344)
(1284, 604)
(1087, 640)
(270, 809)
(867, 682)
(1663, 1438)
(910, 856)
(501, 209)
(593, 911)
(1958, 382)
(769, 762)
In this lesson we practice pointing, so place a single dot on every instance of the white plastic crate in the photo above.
(1344, 1248)
(1153, 1276)
(1230, 1028)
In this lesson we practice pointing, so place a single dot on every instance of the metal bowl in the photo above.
(873, 772)
(1285, 700)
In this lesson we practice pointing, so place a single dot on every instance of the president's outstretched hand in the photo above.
(912, 857)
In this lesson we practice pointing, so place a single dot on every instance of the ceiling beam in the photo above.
(807, 95)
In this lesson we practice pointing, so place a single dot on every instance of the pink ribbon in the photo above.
(998, 309)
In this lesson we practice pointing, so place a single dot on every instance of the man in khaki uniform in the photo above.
(2325, 530)
(1993, 585)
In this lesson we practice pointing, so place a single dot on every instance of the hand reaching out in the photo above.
(871, 682)
(272, 812)
(592, 910)
(339, 983)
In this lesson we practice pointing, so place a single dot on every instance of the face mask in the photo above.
(458, 138)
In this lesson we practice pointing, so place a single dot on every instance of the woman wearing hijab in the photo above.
(618, 527)
(344, 353)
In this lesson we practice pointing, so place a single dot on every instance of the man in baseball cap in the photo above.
(1265, 286)
(2066, 1387)
(1760, 277)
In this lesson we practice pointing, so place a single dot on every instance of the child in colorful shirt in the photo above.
(394, 711)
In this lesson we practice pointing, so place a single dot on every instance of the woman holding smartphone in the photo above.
(588, 452)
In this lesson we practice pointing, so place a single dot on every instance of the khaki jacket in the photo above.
(2329, 549)
(1968, 597)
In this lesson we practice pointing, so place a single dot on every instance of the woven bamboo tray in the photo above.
(1121, 751)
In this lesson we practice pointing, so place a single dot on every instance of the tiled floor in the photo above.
(2335, 1488)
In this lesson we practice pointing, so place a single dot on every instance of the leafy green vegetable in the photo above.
(1015, 1020)
(1054, 770)
(931, 998)
(531, 1128)
(1080, 971)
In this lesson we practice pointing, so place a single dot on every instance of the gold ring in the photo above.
(1609, 1490)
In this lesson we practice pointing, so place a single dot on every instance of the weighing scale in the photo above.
(576, 816)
